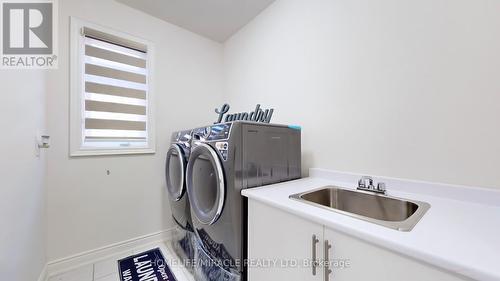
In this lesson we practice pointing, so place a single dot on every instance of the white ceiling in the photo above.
(215, 19)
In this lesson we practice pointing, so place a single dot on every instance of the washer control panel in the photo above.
(183, 136)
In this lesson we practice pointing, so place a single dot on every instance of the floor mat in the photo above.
(146, 266)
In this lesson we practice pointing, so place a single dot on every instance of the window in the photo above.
(111, 95)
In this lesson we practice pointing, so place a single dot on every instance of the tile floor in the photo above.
(107, 269)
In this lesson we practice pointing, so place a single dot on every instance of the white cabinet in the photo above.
(280, 247)
(370, 262)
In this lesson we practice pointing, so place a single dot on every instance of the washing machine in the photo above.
(175, 175)
(226, 158)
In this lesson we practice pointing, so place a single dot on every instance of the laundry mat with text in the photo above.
(145, 266)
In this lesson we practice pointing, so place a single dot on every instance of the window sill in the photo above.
(103, 152)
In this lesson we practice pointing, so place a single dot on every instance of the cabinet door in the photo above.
(353, 259)
(280, 245)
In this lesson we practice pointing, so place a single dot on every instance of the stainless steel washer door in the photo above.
(205, 184)
(175, 172)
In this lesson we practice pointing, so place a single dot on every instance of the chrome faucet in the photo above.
(366, 184)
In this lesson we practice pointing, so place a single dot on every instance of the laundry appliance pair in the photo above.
(223, 160)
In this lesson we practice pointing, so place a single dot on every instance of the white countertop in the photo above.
(459, 233)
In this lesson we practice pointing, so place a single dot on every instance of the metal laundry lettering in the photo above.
(258, 115)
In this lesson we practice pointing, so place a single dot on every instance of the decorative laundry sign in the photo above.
(258, 115)
(146, 266)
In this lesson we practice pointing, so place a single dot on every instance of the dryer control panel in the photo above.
(213, 133)
(217, 135)
(219, 132)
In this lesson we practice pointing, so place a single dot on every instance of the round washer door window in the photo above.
(174, 172)
(205, 184)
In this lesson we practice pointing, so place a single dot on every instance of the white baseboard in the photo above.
(43, 275)
(88, 257)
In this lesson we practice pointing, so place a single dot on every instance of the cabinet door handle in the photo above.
(315, 241)
(327, 260)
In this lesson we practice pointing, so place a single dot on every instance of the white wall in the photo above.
(398, 88)
(23, 220)
(87, 208)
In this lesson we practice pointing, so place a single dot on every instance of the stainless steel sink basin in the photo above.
(392, 212)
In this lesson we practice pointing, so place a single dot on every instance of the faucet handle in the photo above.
(365, 182)
(381, 187)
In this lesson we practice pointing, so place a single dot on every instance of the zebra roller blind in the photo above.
(115, 91)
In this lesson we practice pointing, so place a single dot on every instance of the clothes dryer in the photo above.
(226, 158)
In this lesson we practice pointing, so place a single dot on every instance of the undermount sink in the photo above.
(396, 213)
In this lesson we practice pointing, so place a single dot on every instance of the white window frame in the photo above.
(77, 100)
